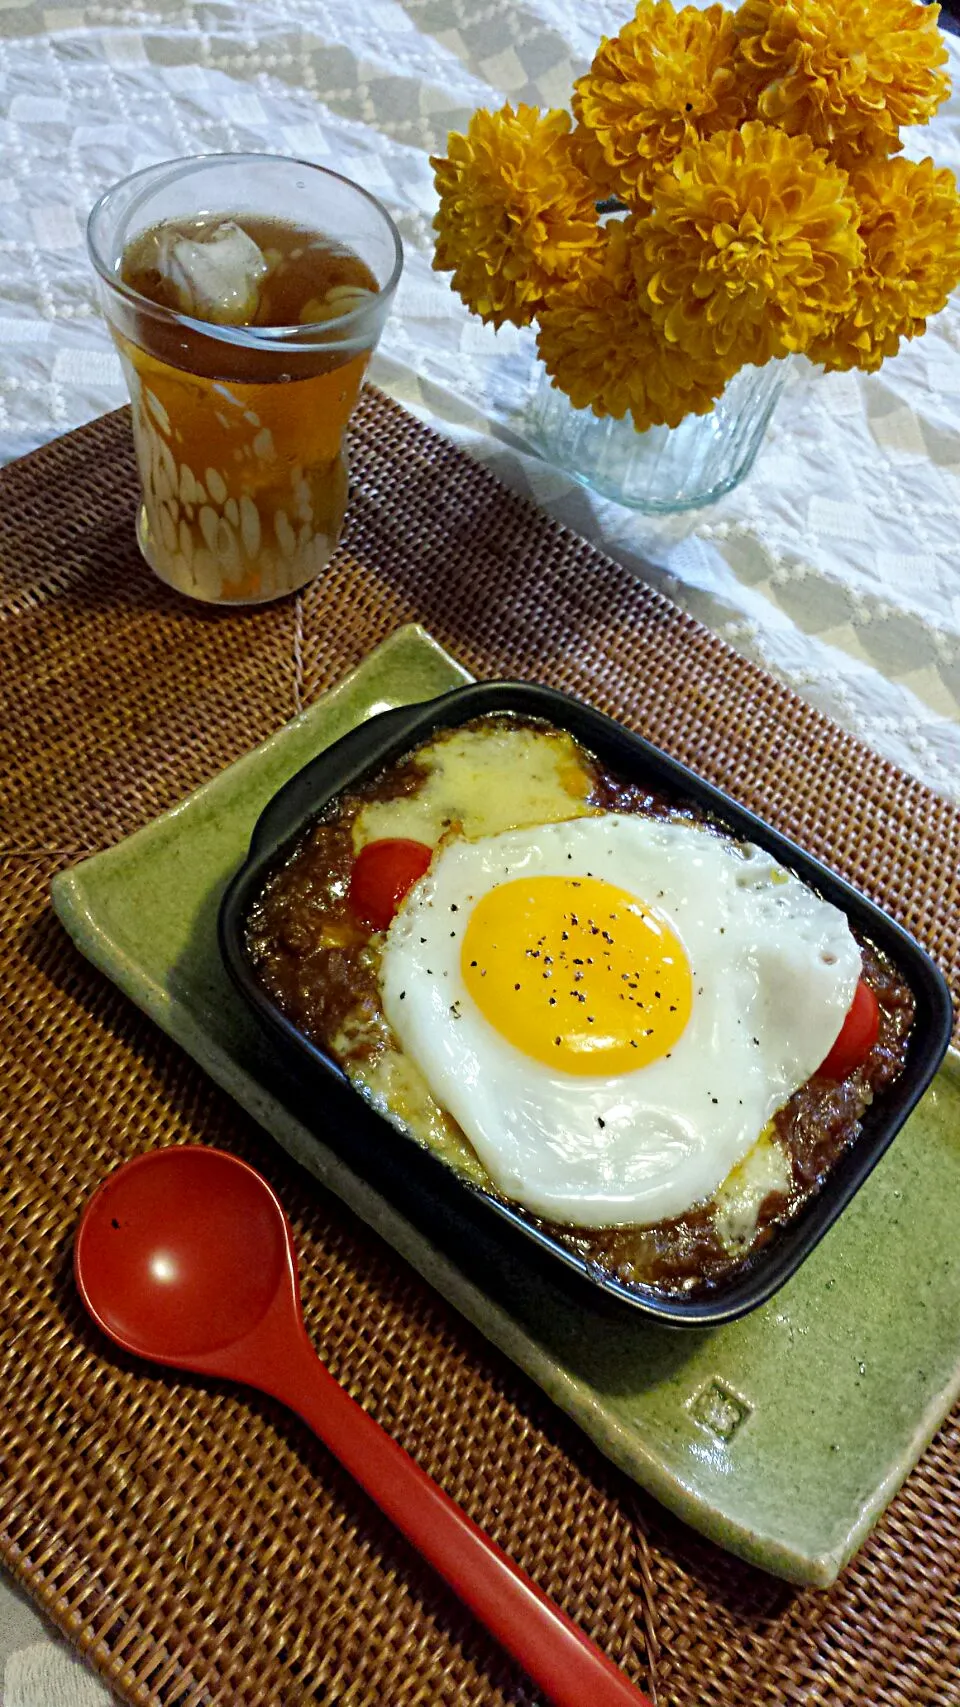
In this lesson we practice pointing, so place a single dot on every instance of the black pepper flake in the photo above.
(473, 963)
(453, 907)
(601, 1122)
(633, 1043)
(516, 986)
(402, 994)
(714, 1099)
(590, 1019)
(551, 1001)
(755, 1040)
(556, 1042)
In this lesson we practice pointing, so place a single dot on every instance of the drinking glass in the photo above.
(240, 430)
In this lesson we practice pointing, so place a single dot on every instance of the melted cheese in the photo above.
(396, 1088)
(765, 1169)
(480, 782)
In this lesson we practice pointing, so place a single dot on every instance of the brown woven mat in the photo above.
(193, 1541)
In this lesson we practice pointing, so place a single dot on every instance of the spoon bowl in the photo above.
(185, 1256)
(181, 1253)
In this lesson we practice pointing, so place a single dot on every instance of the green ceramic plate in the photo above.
(782, 1436)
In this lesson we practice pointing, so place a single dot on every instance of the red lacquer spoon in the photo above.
(186, 1257)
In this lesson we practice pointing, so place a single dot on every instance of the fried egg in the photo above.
(613, 1007)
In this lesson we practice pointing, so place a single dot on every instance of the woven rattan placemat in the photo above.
(194, 1541)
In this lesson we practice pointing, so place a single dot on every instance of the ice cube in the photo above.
(339, 299)
(216, 277)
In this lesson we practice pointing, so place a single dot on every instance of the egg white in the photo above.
(774, 969)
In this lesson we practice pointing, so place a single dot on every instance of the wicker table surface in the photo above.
(193, 1541)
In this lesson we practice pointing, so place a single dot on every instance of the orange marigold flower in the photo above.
(666, 79)
(751, 248)
(847, 73)
(910, 226)
(601, 347)
(517, 215)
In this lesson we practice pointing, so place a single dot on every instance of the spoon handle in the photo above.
(569, 1669)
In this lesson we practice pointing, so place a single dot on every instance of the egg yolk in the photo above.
(577, 973)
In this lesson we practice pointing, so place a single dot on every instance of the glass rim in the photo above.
(255, 337)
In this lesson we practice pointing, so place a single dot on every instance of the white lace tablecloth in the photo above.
(836, 563)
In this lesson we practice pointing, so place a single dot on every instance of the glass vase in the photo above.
(665, 469)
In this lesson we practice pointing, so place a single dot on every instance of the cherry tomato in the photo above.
(382, 873)
(857, 1037)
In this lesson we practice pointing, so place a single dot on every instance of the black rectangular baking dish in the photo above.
(428, 1181)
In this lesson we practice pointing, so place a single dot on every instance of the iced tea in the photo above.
(240, 444)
